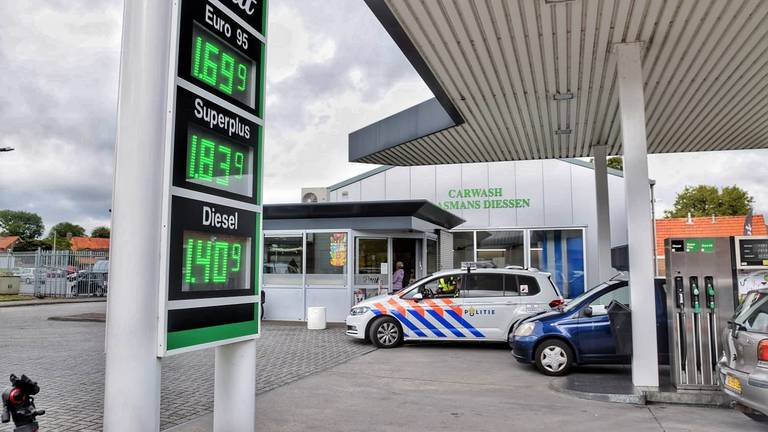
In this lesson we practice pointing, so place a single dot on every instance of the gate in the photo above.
(59, 273)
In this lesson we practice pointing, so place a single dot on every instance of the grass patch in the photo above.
(14, 297)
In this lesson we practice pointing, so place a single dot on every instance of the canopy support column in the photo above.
(604, 269)
(645, 371)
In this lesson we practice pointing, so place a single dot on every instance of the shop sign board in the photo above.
(482, 198)
(212, 208)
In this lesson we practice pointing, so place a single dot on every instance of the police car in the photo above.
(478, 304)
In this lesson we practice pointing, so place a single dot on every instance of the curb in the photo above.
(634, 399)
(20, 303)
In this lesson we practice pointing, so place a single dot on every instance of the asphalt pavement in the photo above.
(458, 387)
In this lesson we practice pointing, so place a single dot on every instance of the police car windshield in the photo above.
(573, 304)
(414, 283)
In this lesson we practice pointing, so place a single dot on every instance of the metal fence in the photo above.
(60, 273)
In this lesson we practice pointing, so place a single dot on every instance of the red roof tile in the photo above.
(7, 242)
(89, 243)
(723, 226)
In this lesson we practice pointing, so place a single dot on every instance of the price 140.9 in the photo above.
(208, 261)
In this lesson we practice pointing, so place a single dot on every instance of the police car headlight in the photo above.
(359, 310)
(525, 329)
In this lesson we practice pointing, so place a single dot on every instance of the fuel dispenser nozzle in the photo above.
(710, 291)
(695, 301)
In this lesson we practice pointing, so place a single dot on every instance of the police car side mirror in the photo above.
(418, 297)
(587, 312)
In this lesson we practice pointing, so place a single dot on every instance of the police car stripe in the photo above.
(407, 323)
(464, 323)
(431, 327)
(456, 332)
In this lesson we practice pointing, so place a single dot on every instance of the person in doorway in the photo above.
(397, 277)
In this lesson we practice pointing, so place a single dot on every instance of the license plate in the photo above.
(733, 383)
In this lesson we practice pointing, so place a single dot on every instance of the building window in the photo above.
(463, 247)
(283, 261)
(503, 248)
(327, 258)
(560, 252)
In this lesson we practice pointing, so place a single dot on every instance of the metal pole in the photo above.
(132, 377)
(645, 366)
(603, 213)
(234, 395)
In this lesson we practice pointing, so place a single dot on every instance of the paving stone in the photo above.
(67, 360)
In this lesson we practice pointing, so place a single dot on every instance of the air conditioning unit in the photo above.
(314, 195)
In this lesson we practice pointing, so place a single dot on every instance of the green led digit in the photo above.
(203, 258)
(192, 156)
(228, 72)
(210, 66)
(220, 263)
(188, 277)
(239, 160)
(205, 166)
(224, 165)
(236, 249)
(242, 73)
(196, 61)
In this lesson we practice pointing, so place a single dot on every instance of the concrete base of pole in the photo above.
(234, 399)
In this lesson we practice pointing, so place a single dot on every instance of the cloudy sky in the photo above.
(331, 69)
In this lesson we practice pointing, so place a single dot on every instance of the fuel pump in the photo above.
(700, 302)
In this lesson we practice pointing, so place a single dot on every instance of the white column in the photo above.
(645, 373)
(234, 395)
(132, 377)
(605, 270)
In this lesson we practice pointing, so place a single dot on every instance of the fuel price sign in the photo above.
(211, 294)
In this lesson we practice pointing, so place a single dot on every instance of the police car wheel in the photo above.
(386, 333)
(554, 358)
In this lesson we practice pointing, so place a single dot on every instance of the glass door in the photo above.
(408, 262)
(372, 268)
(560, 252)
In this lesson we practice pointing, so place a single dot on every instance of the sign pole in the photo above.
(234, 396)
(132, 377)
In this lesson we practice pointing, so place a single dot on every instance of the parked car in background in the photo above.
(27, 274)
(94, 282)
(474, 304)
(744, 366)
(579, 332)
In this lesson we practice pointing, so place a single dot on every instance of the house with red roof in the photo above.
(710, 226)
(89, 243)
(7, 243)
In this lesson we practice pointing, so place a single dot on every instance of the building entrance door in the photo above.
(407, 251)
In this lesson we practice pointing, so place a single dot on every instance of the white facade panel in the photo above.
(374, 188)
(475, 196)
(530, 185)
(350, 192)
(335, 300)
(445, 182)
(398, 183)
(502, 175)
(423, 182)
(284, 304)
(617, 204)
(556, 183)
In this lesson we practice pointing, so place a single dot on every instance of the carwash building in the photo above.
(343, 242)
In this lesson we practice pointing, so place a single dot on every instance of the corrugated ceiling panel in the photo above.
(502, 62)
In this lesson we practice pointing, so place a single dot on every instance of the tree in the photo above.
(705, 200)
(63, 228)
(26, 225)
(615, 162)
(100, 232)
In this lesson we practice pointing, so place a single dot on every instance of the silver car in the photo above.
(744, 365)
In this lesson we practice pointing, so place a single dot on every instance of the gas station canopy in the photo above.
(537, 79)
